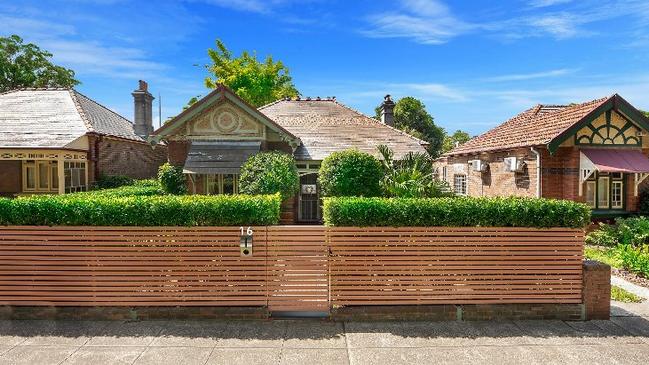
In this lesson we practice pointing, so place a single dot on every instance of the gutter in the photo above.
(538, 171)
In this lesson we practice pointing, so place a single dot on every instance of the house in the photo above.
(594, 152)
(61, 141)
(214, 137)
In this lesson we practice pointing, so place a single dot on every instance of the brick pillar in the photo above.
(597, 290)
(287, 211)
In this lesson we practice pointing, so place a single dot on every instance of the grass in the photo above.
(621, 295)
(607, 255)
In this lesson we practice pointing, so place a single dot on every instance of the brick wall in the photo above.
(496, 181)
(597, 290)
(122, 157)
(178, 151)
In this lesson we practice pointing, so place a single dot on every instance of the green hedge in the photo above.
(454, 212)
(350, 173)
(96, 210)
(270, 173)
(139, 188)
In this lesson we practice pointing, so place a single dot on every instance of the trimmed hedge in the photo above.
(139, 188)
(270, 173)
(454, 212)
(350, 173)
(113, 181)
(95, 210)
(172, 179)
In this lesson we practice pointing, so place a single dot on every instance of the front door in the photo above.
(309, 207)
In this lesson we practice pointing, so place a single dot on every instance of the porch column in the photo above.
(60, 170)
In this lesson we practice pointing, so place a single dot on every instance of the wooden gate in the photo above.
(297, 264)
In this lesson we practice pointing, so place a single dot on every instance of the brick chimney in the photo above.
(143, 116)
(387, 111)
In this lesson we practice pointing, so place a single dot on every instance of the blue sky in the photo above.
(473, 63)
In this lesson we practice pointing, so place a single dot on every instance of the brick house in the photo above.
(59, 141)
(594, 152)
(213, 138)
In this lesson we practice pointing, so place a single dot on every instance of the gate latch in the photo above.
(245, 242)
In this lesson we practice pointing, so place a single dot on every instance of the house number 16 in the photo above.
(247, 232)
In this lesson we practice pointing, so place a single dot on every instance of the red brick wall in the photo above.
(10, 177)
(122, 157)
(496, 181)
(597, 290)
(178, 151)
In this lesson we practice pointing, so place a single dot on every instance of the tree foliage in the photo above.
(410, 177)
(270, 173)
(457, 138)
(26, 65)
(256, 82)
(410, 116)
(350, 173)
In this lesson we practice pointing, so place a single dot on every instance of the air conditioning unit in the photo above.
(513, 164)
(479, 165)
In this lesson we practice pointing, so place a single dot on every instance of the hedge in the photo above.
(350, 173)
(454, 212)
(270, 173)
(89, 210)
(139, 188)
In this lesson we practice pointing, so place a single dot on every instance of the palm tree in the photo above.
(410, 177)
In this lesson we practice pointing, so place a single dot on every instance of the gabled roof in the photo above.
(546, 125)
(53, 118)
(326, 126)
(220, 93)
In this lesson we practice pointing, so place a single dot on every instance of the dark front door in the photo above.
(309, 209)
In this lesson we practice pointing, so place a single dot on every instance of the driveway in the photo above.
(623, 340)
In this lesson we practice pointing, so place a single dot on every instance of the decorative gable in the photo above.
(610, 128)
(225, 121)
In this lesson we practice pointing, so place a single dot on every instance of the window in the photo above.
(40, 176)
(590, 193)
(602, 192)
(222, 184)
(605, 190)
(459, 184)
(75, 176)
(444, 173)
(616, 195)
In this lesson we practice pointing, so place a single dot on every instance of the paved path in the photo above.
(623, 340)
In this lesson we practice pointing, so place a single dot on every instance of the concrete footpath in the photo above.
(623, 340)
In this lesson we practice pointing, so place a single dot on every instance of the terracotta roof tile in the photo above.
(535, 126)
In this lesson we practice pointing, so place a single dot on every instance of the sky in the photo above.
(473, 63)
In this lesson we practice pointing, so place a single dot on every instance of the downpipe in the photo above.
(538, 171)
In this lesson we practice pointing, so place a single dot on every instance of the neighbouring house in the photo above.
(594, 152)
(61, 141)
(213, 138)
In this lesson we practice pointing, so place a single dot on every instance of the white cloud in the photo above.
(546, 3)
(424, 21)
(531, 76)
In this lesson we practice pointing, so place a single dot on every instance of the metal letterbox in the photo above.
(245, 244)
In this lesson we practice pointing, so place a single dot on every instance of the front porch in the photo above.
(43, 171)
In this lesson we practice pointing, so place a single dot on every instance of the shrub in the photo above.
(459, 212)
(139, 188)
(172, 179)
(113, 181)
(643, 207)
(270, 173)
(635, 259)
(97, 210)
(350, 173)
(630, 231)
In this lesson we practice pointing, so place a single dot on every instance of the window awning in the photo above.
(613, 160)
(210, 157)
(617, 160)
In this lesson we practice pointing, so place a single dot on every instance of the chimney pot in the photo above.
(387, 111)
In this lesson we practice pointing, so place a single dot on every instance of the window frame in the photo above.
(51, 170)
(217, 180)
(463, 184)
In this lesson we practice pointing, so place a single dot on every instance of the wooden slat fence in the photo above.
(442, 265)
(130, 266)
(293, 268)
(297, 269)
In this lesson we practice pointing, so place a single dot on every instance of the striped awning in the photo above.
(211, 157)
(617, 160)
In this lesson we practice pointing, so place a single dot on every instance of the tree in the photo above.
(26, 65)
(410, 116)
(410, 177)
(256, 82)
(646, 114)
(457, 138)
